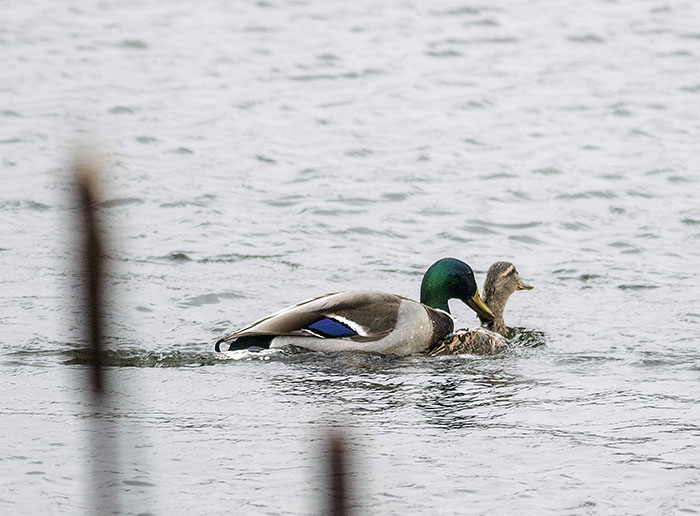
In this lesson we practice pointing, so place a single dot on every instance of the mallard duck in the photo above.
(501, 281)
(367, 320)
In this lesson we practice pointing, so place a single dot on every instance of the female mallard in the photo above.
(367, 320)
(501, 281)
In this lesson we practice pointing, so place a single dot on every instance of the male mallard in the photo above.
(501, 281)
(367, 320)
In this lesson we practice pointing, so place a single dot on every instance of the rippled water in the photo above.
(259, 154)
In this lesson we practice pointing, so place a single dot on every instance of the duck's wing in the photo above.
(478, 341)
(363, 315)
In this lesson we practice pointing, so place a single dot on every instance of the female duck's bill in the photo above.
(366, 320)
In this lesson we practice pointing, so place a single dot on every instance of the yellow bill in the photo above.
(477, 304)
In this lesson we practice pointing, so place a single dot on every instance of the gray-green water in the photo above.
(260, 154)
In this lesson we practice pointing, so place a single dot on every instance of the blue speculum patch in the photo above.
(327, 327)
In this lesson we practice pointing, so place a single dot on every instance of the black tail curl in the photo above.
(249, 341)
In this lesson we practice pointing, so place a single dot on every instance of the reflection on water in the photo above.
(468, 395)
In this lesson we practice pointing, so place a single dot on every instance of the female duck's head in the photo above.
(450, 278)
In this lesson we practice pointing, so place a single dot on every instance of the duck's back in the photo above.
(478, 341)
(364, 320)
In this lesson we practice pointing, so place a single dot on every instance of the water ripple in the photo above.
(121, 201)
(591, 194)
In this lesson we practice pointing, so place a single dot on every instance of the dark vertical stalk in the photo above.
(92, 273)
(338, 488)
(104, 452)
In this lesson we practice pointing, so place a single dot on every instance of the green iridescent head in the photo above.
(450, 278)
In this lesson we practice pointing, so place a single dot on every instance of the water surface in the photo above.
(261, 154)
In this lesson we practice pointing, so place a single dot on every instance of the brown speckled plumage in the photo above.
(478, 341)
(501, 281)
